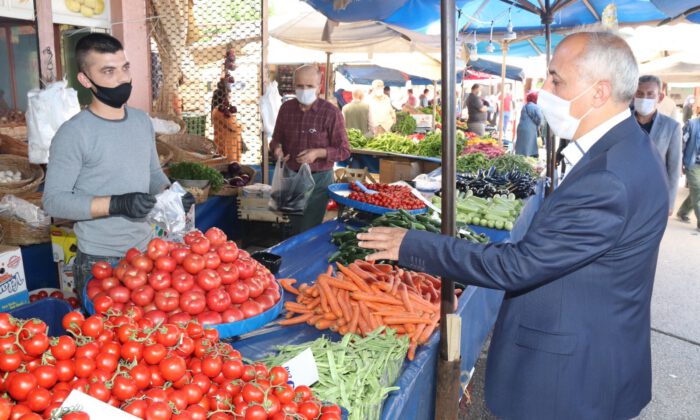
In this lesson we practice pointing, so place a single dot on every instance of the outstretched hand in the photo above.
(386, 240)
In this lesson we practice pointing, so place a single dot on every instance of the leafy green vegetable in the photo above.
(509, 163)
(356, 139)
(405, 123)
(356, 373)
(197, 171)
(472, 162)
(392, 142)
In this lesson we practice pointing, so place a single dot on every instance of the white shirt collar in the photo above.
(575, 151)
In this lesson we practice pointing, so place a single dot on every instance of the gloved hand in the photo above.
(135, 205)
(187, 201)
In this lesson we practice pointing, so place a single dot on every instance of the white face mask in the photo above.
(306, 96)
(644, 106)
(557, 112)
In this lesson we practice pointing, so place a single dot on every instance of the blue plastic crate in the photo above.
(49, 310)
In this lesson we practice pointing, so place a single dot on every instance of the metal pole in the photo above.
(447, 388)
(265, 70)
(501, 129)
(549, 136)
(434, 103)
(328, 75)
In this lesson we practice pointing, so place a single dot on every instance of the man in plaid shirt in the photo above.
(310, 130)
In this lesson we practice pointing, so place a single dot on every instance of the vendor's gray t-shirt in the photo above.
(474, 104)
(91, 156)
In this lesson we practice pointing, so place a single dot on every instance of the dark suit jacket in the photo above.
(572, 339)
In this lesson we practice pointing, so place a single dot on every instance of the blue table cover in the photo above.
(304, 257)
(221, 211)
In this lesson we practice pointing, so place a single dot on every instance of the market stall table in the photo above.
(478, 308)
(392, 166)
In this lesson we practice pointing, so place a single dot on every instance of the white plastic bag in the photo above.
(11, 206)
(270, 104)
(168, 213)
(47, 110)
(291, 190)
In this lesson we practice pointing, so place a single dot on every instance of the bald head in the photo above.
(603, 56)
(307, 76)
(358, 94)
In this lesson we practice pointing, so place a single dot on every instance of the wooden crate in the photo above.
(257, 209)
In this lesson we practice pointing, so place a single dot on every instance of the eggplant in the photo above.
(234, 169)
(236, 181)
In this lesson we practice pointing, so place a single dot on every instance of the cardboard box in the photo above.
(397, 170)
(13, 283)
(66, 278)
(64, 244)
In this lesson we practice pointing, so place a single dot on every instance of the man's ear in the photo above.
(83, 79)
(661, 96)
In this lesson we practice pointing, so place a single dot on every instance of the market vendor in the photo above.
(103, 168)
(310, 130)
(476, 123)
(572, 339)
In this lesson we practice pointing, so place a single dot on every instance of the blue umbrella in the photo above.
(365, 74)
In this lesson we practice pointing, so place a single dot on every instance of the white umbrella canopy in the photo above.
(676, 68)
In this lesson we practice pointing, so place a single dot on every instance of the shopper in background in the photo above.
(310, 130)
(688, 108)
(356, 113)
(423, 100)
(663, 131)
(531, 120)
(573, 335)
(507, 98)
(691, 169)
(667, 106)
(411, 101)
(382, 115)
(103, 168)
(476, 123)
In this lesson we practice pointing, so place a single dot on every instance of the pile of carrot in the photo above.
(363, 297)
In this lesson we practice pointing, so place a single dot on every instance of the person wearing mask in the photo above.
(382, 115)
(667, 106)
(356, 113)
(688, 108)
(573, 335)
(103, 169)
(663, 131)
(476, 123)
(531, 120)
(691, 169)
(423, 99)
(310, 130)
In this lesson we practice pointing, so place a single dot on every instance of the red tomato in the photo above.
(209, 318)
(266, 301)
(159, 280)
(102, 303)
(303, 393)
(255, 412)
(208, 279)
(56, 294)
(63, 348)
(212, 260)
(228, 273)
(218, 300)
(108, 283)
(308, 409)
(167, 299)
(119, 294)
(251, 308)
(194, 263)
(172, 367)
(216, 236)
(131, 253)
(278, 376)
(192, 235)
(134, 278)
(193, 302)
(166, 264)
(200, 246)
(73, 301)
(255, 287)
(143, 295)
(228, 251)
(156, 316)
(180, 318)
(136, 408)
(181, 280)
(157, 248)
(238, 292)
(143, 263)
(211, 366)
(154, 353)
(285, 393)
(101, 270)
(179, 254)
(232, 314)
(246, 267)
(158, 411)
(46, 376)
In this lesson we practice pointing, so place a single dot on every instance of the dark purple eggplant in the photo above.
(234, 168)
(236, 181)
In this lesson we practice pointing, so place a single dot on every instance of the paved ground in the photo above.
(675, 337)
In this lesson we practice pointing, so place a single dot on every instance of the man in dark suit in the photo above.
(572, 339)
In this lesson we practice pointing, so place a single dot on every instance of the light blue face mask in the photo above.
(306, 96)
(557, 112)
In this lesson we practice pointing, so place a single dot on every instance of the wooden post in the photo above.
(265, 76)
(327, 82)
(45, 33)
(504, 48)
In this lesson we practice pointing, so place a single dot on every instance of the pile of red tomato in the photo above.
(153, 370)
(389, 196)
(56, 294)
(206, 278)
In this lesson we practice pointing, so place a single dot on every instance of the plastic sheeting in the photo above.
(478, 308)
(365, 74)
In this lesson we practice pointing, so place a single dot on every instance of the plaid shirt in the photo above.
(322, 126)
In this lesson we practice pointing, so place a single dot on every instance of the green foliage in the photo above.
(197, 171)
(356, 139)
(405, 123)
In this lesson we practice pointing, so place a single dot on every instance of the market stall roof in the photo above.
(677, 68)
(490, 67)
(365, 74)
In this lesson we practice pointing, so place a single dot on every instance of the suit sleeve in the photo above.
(673, 163)
(574, 227)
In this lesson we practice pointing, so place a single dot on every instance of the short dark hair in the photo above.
(475, 86)
(97, 42)
(650, 78)
(425, 91)
(410, 91)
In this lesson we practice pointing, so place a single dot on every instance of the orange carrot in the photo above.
(313, 303)
(343, 329)
(287, 285)
(359, 282)
(412, 350)
(324, 324)
(385, 268)
(344, 303)
(354, 268)
(324, 300)
(429, 330)
(355, 308)
(406, 320)
(376, 298)
(395, 287)
(364, 318)
(405, 299)
(296, 307)
(340, 284)
(330, 316)
(379, 307)
(314, 319)
(394, 313)
(296, 320)
(422, 304)
(373, 323)
(330, 297)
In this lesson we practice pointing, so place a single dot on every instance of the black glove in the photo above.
(187, 201)
(134, 205)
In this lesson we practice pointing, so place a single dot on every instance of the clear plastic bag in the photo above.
(291, 190)
(169, 214)
(11, 206)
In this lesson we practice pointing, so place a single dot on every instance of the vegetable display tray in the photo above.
(49, 310)
(340, 193)
(231, 329)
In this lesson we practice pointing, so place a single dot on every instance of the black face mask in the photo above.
(114, 97)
